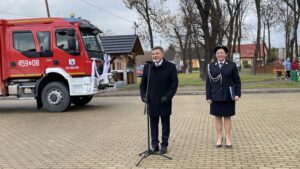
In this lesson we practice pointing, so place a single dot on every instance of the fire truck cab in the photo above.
(56, 61)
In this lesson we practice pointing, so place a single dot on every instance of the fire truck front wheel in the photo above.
(55, 97)
(81, 100)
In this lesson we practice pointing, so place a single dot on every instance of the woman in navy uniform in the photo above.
(223, 89)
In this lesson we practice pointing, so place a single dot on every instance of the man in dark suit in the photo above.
(163, 83)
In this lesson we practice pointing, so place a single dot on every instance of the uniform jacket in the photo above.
(219, 90)
(163, 81)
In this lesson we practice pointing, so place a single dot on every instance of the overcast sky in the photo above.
(277, 36)
(109, 15)
(106, 14)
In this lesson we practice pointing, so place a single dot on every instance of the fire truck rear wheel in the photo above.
(55, 97)
(81, 100)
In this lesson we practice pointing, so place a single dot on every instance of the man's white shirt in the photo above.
(158, 63)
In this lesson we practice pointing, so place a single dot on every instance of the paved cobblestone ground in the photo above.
(111, 131)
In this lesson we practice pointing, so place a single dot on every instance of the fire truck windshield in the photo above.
(92, 43)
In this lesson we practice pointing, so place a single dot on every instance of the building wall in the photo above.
(247, 53)
(282, 53)
(195, 63)
(118, 63)
(246, 60)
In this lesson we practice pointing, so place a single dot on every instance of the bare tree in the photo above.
(191, 22)
(287, 24)
(179, 27)
(233, 7)
(174, 28)
(147, 11)
(257, 49)
(236, 30)
(270, 16)
(294, 5)
(241, 15)
(210, 14)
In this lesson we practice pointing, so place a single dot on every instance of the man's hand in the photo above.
(209, 101)
(145, 99)
(164, 100)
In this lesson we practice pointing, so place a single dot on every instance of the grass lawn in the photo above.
(249, 81)
(271, 84)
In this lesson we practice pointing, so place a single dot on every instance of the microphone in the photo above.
(149, 62)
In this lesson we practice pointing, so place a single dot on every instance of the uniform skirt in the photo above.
(222, 109)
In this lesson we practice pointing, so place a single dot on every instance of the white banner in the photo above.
(236, 58)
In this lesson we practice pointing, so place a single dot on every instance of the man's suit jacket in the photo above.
(219, 90)
(163, 81)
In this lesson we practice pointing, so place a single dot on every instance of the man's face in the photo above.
(157, 55)
(221, 55)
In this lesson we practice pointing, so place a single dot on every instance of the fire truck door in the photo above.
(67, 51)
(24, 57)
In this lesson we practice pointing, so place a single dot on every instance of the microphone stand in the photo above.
(148, 152)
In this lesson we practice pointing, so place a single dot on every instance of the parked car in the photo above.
(139, 70)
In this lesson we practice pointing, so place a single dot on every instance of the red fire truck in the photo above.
(53, 60)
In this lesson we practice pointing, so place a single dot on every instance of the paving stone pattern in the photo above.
(110, 132)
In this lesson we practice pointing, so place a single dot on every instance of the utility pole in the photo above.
(135, 26)
(47, 7)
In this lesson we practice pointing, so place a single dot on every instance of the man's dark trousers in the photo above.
(165, 122)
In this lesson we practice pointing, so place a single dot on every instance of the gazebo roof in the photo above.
(122, 44)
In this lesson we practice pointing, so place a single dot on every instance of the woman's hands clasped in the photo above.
(236, 98)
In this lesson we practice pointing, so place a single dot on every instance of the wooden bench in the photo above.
(279, 73)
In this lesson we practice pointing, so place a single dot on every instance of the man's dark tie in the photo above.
(221, 64)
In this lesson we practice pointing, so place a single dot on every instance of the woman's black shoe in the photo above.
(218, 145)
(228, 146)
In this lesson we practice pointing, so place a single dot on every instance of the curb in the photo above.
(179, 93)
(246, 91)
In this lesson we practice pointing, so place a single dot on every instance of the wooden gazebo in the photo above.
(123, 50)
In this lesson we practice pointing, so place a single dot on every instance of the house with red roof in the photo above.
(247, 54)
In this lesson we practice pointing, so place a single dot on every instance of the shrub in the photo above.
(247, 65)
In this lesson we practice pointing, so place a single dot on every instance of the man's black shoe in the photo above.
(155, 149)
(163, 150)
